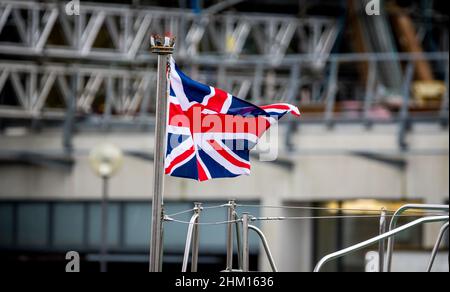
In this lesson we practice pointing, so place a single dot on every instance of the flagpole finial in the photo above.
(162, 45)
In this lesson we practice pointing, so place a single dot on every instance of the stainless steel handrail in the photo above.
(192, 237)
(393, 224)
(378, 238)
(188, 242)
(266, 247)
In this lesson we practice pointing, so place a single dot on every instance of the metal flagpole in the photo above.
(163, 46)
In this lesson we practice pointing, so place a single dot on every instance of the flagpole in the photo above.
(163, 47)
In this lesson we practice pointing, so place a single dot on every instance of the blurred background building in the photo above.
(373, 91)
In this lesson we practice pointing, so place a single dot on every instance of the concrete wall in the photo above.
(323, 168)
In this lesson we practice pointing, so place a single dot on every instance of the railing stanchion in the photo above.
(245, 239)
(382, 245)
(195, 238)
(192, 237)
(231, 209)
(238, 239)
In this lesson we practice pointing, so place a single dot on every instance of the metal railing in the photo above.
(393, 224)
(192, 238)
(243, 246)
(266, 247)
(244, 221)
(378, 238)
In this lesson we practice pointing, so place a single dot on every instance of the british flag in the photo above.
(210, 132)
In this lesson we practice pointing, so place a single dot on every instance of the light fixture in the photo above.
(106, 160)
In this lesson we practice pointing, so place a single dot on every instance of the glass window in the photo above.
(33, 225)
(6, 225)
(94, 236)
(137, 225)
(68, 224)
(332, 235)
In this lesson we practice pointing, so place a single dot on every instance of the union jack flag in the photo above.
(210, 132)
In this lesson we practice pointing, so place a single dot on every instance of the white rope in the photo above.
(193, 209)
(169, 219)
(418, 213)
(181, 213)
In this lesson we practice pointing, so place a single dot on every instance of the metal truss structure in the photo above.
(46, 91)
(119, 33)
(246, 54)
(49, 90)
(98, 66)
